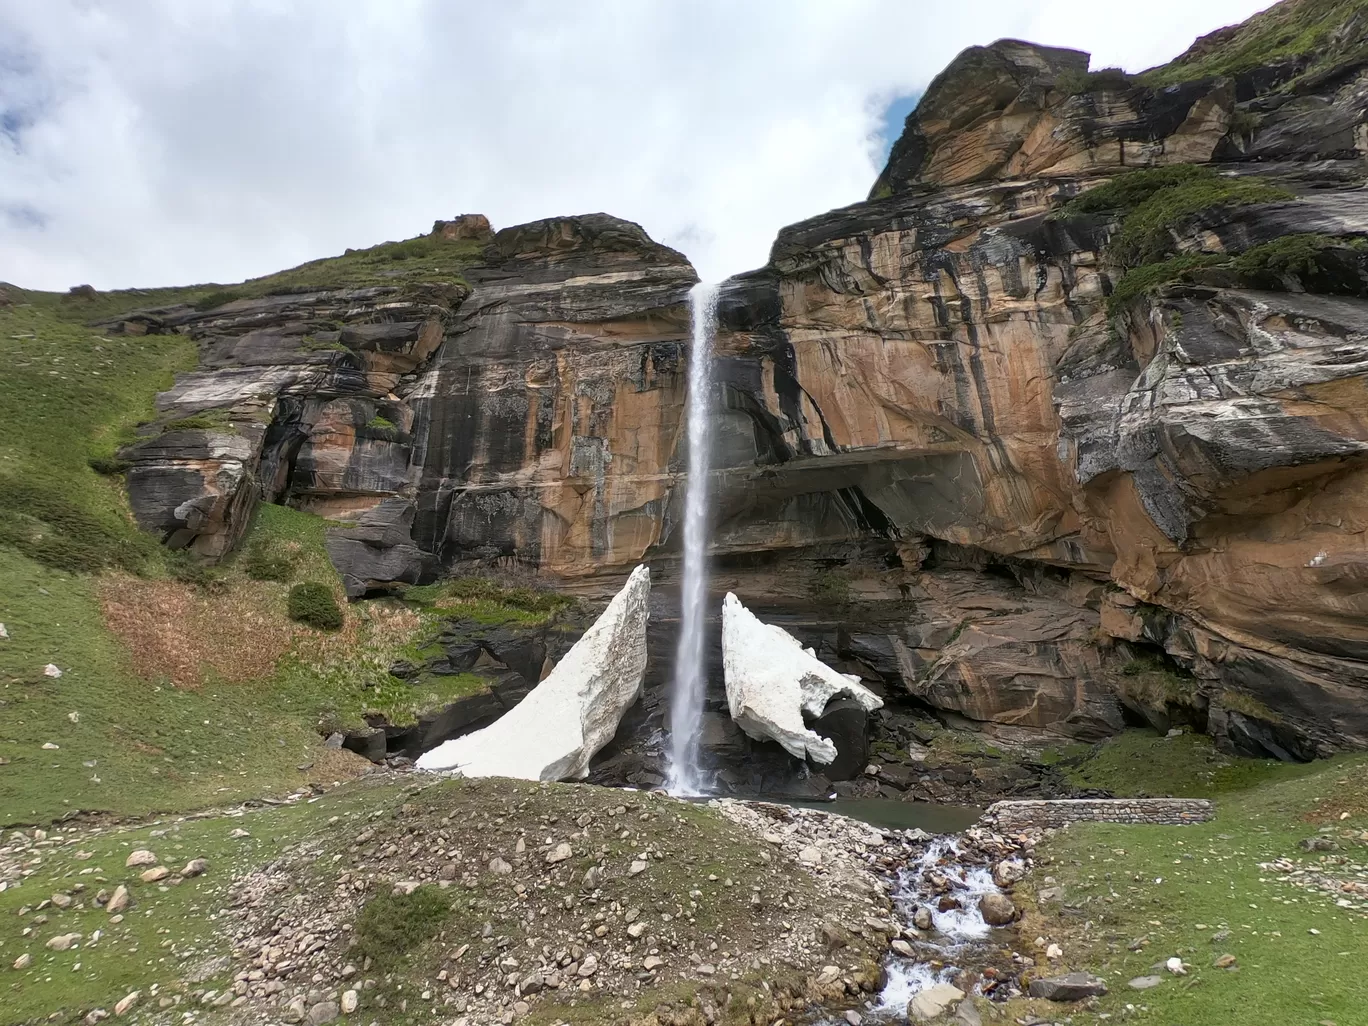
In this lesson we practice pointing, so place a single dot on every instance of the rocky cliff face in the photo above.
(1024, 399)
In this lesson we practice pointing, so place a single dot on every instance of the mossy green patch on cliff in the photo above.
(1153, 202)
(1145, 279)
(1315, 33)
(486, 601)
(1130, 897)
(1078, 83)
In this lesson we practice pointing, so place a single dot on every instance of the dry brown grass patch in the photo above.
(178, 633)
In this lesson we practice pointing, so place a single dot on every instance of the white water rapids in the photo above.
(690, 677)
(956, 931)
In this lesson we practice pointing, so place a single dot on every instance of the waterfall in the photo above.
(690, 677)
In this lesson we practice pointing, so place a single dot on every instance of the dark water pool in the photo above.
(891, 815)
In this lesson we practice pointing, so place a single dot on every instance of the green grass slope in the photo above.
(1127, 898)
(1318, 32)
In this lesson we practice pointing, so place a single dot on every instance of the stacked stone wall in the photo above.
(1020, 815)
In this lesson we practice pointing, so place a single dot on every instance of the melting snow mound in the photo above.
(772, 680)
(554, 732)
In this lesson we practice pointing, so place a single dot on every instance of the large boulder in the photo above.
(772, 681)
(379, 550)
(554, 732)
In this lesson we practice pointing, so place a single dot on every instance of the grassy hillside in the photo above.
(1320, 33)
(1122, 900)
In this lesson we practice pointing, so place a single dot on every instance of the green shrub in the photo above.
(390, 926)
(263, 564)
(218, 298)
(107, 465)
(383, 428)
(831, 584)
(313, 604)
(1318, 263)
(43, 522)
(1153, 202)
(1147, 278)
(206, 420)
(190, 569)
(1078, 82)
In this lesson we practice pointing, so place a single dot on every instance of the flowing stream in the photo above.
(690, 678)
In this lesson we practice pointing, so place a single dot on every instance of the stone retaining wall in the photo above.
(1018, 815)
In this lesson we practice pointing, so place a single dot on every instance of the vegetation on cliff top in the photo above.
(1152, 203)
(1315, 33)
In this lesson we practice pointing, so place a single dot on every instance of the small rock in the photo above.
(118, 901)
(1054, 952)
(967, 1014)
(635, 930)
(651, 962)
(1145, 982)
(593, 878)
(933, 1002)
(155, 875)
(238, 832)
(4, 634)
(853, 1017)
(810, 857)
(1224, 962)
(560, 853)
(323, 1011)
(499, 867)
(1175, 966)
(48, 746)
(195, 867)
(997, 909)
(589, 966)
(23, 961)
(141, 857)
(922, 918)
(901, 947)
(125, 1003)
(63, 941)
(350, 1001)
(1008, 872)
(51, 670)
(637, 867)
(1318, 844)
(1069, 987)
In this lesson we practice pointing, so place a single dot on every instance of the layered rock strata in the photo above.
(934, 400)
(555, 731)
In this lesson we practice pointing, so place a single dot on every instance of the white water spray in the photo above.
(690, 678)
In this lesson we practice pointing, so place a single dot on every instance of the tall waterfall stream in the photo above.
(690, 677)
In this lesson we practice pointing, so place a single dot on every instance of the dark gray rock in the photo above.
(1069, 987)
(379, 551)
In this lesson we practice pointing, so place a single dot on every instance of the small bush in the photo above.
(831, 585)
(1149, 277)
(391, 925)
(107, 465)
(262, 564)
(313, 604)
(1153, 202)
(1078, 82)
(1318, 263)
(190, 569)
(216, 299)
(207, 420)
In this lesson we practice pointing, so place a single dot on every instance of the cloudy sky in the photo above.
(155, 142)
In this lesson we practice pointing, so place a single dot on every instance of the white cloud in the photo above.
(158, 142)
